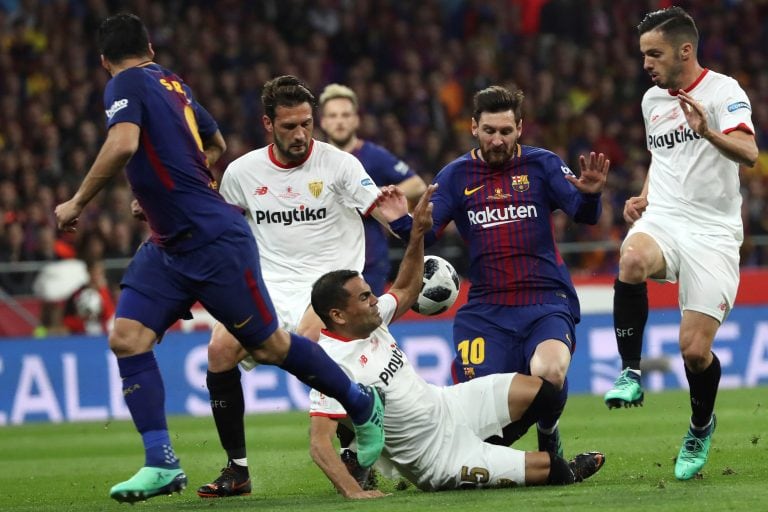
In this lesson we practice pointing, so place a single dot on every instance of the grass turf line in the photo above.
(72, 466)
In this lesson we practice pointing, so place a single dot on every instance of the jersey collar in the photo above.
(696, 82)
(337, 337)
(274, 160)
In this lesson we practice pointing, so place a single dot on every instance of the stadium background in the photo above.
(415, 66)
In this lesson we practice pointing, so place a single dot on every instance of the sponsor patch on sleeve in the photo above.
(738, 105)
(117, 106)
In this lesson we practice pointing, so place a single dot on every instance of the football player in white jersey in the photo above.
(433, 435)
(686, 222)
(303, 199)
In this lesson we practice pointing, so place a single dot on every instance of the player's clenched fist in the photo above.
(634, 208)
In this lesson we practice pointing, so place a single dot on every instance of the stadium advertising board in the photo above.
(76, 378)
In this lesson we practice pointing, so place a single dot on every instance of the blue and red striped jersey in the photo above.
(384, 168)
(169, 174)
(504, 216)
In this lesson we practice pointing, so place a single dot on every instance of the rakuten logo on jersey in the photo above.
(288, 217)
(489, 217)
(395, 363)
(670, 139)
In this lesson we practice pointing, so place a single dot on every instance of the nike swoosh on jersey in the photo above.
(242, 324)
(470, 191)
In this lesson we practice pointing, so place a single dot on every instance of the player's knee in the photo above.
(633, 267)
(697, 360)
(696, 351)
(224, 351)
(553, 375)
(127, 339)
(274, 349)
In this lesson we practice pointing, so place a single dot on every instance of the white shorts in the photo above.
(290, 306)
(707, 265)
(471, 412)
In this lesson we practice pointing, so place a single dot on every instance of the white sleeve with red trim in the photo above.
(734, 108)
(356, 186)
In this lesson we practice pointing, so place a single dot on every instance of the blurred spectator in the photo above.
(414, 66)
(89, 310)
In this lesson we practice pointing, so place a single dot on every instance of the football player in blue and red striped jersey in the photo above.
(522, 306)
(201, 249)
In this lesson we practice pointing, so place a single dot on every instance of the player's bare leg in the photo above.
(550, 361)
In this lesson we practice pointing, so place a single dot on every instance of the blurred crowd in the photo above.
(413, 64)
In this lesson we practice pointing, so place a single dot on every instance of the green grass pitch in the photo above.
(72, 466)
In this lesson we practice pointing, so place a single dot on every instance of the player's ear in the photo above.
(150, 51)
(106, 64)
(267, 123)
(474, 127)
(338, 316)
(686, 50)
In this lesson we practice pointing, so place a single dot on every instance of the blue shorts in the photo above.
(158, 288)
(492, 338)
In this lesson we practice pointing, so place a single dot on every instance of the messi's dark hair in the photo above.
(122, 36)
(285, 91)
(498, 99)
(328, 293)
(676, 25)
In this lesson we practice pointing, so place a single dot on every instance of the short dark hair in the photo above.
(498, 99)
(122, 36)
(329, 293)
(676, 25)
(285, 91)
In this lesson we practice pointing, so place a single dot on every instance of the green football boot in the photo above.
(550, 442)
(370, 435)
(148, 482)
(694, 452)
(626, 392)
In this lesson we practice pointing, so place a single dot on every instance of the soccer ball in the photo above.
(439, 289)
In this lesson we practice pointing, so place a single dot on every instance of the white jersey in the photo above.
(411, 403)
(690, 180)
(305, 218)
(434, 435)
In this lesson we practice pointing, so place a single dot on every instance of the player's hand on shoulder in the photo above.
(593, 173)
(634, 208)
(422, 212)
(392, 203)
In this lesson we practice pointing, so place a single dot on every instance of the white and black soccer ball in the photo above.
(440, 287)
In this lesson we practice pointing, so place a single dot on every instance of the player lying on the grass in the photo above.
(433, 435)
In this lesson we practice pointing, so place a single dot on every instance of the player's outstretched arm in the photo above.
(593, 175)
(321, 433)
(122, 142)
(408, 282)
